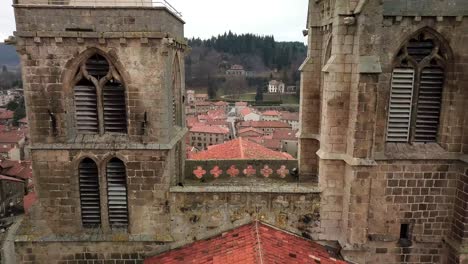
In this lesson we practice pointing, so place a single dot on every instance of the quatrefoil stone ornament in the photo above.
(199, 172)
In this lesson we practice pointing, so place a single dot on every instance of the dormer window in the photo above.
(99, 98)
(416, 91)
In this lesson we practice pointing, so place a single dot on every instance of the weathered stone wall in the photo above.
(369, 187)
(193, 214)
(97, 21)
(56, 182)
(49, 66)
(84, 252)
(196, 214)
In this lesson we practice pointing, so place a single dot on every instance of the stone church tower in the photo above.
(385, 127)
(104, 92)
(103, 89)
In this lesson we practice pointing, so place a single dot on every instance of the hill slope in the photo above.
(8, 56)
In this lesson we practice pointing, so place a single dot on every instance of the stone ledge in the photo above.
(346, 158)
(284, 188)
(114, 238)
(96, 35)
(309, 136)
(126, 8)
(111, 145)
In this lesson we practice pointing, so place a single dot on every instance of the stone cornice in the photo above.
(292, 188)
(113, 145)
(346, 158)
(59, 35)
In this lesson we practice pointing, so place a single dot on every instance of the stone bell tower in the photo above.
(103, 89)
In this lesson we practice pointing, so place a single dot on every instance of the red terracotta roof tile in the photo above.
(13, 136)
(262, 124)
(245, 111)
(6, 114)
(221, 103)
(249, 244)
(200, 128)
(29, 200)
(241, 103)
(8, 178)
(271, 113)
(286, 134)
(240, 149)
(250, 129)
(290, 116)
(19, 169)
(272, 143)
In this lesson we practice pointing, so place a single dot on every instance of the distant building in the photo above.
(202, 107)
(250, 132)
(6, 116)
(23, 122)
(239, 106)
(291, 89)
(5, 99)
(201, 97)
(202, 136)
(236, 70)
(275, 86)
(247, 114)
(15, 182)
(271, 115)
(190, 96)
(288, 141)
(12, 144)
(292, 118)
(240, 149)
(220, 105)
(267, 127)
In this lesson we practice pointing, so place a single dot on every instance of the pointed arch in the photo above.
(177, 102)
(89, 193)
(418, 79)
(117, 202)
(95, 80)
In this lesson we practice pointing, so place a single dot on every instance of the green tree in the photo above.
(20, 112)
(259, 95)
(12, 105)
(212, 88)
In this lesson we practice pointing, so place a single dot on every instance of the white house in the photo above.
(275, 86)
(248, 114)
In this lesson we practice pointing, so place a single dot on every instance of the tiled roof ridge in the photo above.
(241, 147)
(259, 243)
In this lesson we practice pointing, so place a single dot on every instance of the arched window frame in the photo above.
(103, 92)
(407, 66)
(176, 85)
(117, 199)
(89, 192)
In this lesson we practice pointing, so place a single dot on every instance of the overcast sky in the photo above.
(205, 18)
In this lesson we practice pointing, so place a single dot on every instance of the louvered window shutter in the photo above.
(429, 103)
(89, 194)
(86, 108)
(115, 116)
(117, 193)
(399, 117)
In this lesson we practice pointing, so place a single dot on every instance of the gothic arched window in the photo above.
(176, 94)
(89, 194)
(99, 98)
(117, 193)
(416, 90)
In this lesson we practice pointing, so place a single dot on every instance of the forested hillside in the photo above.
(262, 55)
(8, 56)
